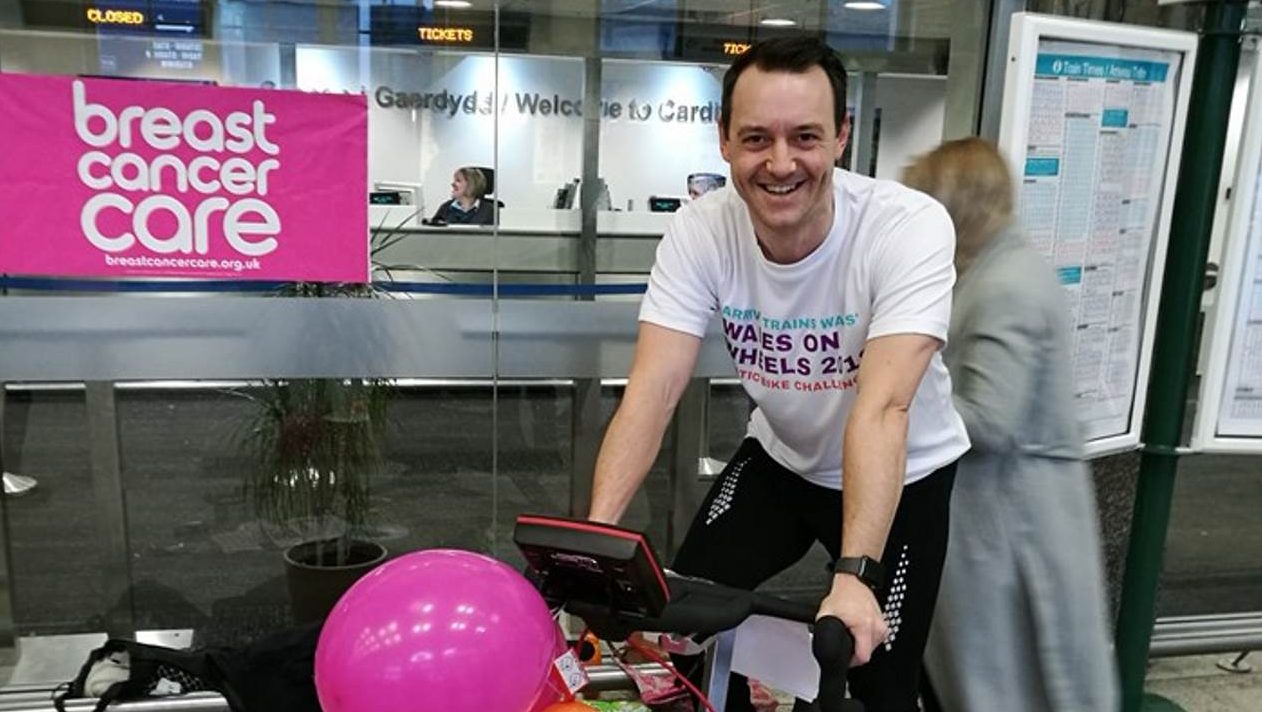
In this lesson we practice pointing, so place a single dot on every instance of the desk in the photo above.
(530, 241)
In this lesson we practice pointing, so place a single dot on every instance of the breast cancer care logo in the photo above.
(189, 160)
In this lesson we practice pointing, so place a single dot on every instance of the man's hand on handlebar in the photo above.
(854, 603)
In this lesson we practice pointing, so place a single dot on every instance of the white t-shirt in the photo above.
(796, 332)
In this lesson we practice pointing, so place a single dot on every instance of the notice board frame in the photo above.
(1028, 30)
(1220, 324)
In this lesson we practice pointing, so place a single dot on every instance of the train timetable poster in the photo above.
(1093, 124)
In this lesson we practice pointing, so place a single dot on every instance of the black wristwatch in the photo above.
(865, 568)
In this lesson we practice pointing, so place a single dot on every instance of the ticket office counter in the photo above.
(544, 242)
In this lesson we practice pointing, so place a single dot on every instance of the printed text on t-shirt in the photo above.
(766, 348)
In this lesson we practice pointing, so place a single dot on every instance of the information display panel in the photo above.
(1093, 125)
(1229, 415)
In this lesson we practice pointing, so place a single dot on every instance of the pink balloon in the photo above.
(437, 630)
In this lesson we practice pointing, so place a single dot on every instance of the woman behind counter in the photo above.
(466, 207)
(1020, 621)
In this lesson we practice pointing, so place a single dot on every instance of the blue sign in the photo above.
(1114, 118)
(1069, 275)
(1072, 65)
(1042, 167)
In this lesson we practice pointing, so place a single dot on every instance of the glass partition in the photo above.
(52, 535)
(143, 419)
(1211, 566)
(474, 380)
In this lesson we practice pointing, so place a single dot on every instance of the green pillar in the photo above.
(1193, 215)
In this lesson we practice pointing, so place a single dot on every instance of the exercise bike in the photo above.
(610, 578)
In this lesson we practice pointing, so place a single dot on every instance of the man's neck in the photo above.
(793, 246)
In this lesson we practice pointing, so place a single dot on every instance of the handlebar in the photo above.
(833, 647)
(703, 608)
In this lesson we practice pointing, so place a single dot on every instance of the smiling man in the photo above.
(835, 295)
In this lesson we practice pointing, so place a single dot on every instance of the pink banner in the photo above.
(113, 178)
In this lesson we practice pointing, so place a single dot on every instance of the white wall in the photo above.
(650, 152)
(426, 144)
(655, 156)
(912, 112)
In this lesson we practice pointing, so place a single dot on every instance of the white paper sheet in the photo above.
(777, 653)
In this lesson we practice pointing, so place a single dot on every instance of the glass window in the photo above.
(523, 160)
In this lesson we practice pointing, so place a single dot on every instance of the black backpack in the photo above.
(152, 671)
(273, 674)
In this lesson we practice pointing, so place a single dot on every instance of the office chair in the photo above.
(489, 174)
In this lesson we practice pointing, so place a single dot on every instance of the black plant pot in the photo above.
(316, 581)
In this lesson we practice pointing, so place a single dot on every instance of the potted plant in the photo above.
(314, 448)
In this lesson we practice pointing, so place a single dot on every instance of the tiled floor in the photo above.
(1196, 684)
(1193, 684)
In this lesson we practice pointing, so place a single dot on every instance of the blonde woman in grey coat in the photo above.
(1020, 622)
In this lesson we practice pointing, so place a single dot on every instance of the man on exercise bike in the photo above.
(835, 295)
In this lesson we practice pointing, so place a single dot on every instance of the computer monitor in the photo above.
(566, 195)
(701, 183)
(664, 204)
(410, 193)
(603, 201)
(388, 197)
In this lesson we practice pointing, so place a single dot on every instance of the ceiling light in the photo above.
(778, 22)
(864, 5)
(453, 4)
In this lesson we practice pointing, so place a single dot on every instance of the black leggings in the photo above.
(760, 518)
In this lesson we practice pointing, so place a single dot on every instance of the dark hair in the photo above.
(795, 55)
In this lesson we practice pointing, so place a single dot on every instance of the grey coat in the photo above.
(1020, 622)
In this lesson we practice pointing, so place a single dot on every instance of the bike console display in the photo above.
(592, 566)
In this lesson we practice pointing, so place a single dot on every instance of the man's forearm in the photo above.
(663, 363)
(875, 464)
(630, 446)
